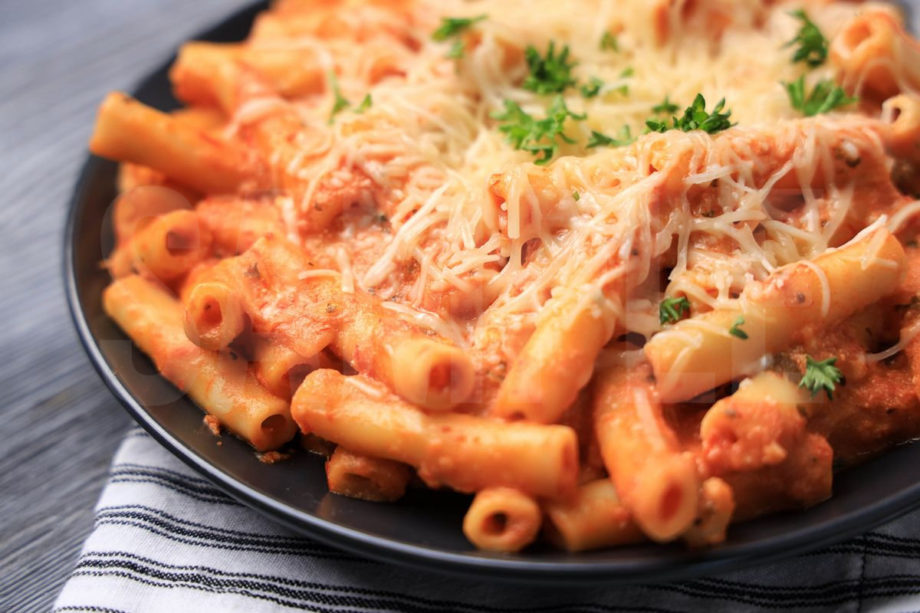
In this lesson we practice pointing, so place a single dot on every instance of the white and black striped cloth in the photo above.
(166, 540)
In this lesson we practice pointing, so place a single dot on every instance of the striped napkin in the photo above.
(166, 540)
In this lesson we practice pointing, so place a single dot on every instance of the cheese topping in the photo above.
(474, 219)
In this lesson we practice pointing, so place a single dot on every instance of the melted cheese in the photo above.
(431, 149)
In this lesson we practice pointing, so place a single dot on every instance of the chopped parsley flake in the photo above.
(598, 139)
(666, 107)
(549, 74)
(340, 102)
(812, 45)
(453, 26)
(539, 137)
(592, 88)
(823, 98)
(365, 104)
(821, 375)
(695, 117)
(671, 310)
(609, 42)
(736, 330)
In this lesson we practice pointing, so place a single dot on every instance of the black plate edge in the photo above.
(532, 572)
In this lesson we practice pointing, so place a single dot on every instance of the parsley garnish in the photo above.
(576, 196)
(598, 139)
(452, 26)
(671, 310)
(341, 103)
(591, 88)
(456, 50)
(736, 330)
(666, 107)
(549, 74)
(609, 42)
(825, 97)
(821, 375)
(627, 72)
(594, 85)
(537, 136)
(365, 104)
(695, 117)
(812, 45)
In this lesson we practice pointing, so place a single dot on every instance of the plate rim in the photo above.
(477, 565)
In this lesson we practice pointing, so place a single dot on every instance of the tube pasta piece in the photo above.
(213, 315)
(366, 478)
(700, 353)
(298, 312)
(464, 452)
(802, 480)
(557, 360)
(594, 518)
(208, 73)
(137, 207)
(281, 369)
(128, 131)
(215, 74)
(202, 118)
(717, 504)
(657, 482)
(217, 382)
(166, 248)
(674, 18)
(755, 426)
(237, 223)
(875, 58)
(428, 371)
(903, 114)
(502, 519)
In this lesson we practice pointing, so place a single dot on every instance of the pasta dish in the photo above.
(621, 270)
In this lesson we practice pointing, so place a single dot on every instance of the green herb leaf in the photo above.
(549, 74)
(824, 97)
(666, 107)
(341, 103)
(592, 88)
(653, 125)
(627, 72)
(576, 196)
(609, 42)
(736, 330)
(537, 136)
(452, 26)
(598, 139)
(821, 375)
(365, 104)
(696, 117)
(671, 310)
(812, 45)
(456, 51)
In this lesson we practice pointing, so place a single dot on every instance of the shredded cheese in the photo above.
(472, 216)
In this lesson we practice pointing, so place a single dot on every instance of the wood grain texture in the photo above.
(58, 424)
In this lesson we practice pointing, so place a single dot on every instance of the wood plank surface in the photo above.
(58, 424)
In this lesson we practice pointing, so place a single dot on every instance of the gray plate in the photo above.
(423, 529)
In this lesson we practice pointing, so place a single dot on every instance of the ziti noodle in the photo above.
(623, 270)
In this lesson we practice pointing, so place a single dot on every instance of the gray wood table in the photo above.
(59, 425)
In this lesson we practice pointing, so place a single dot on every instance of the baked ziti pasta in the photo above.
(619, 270)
